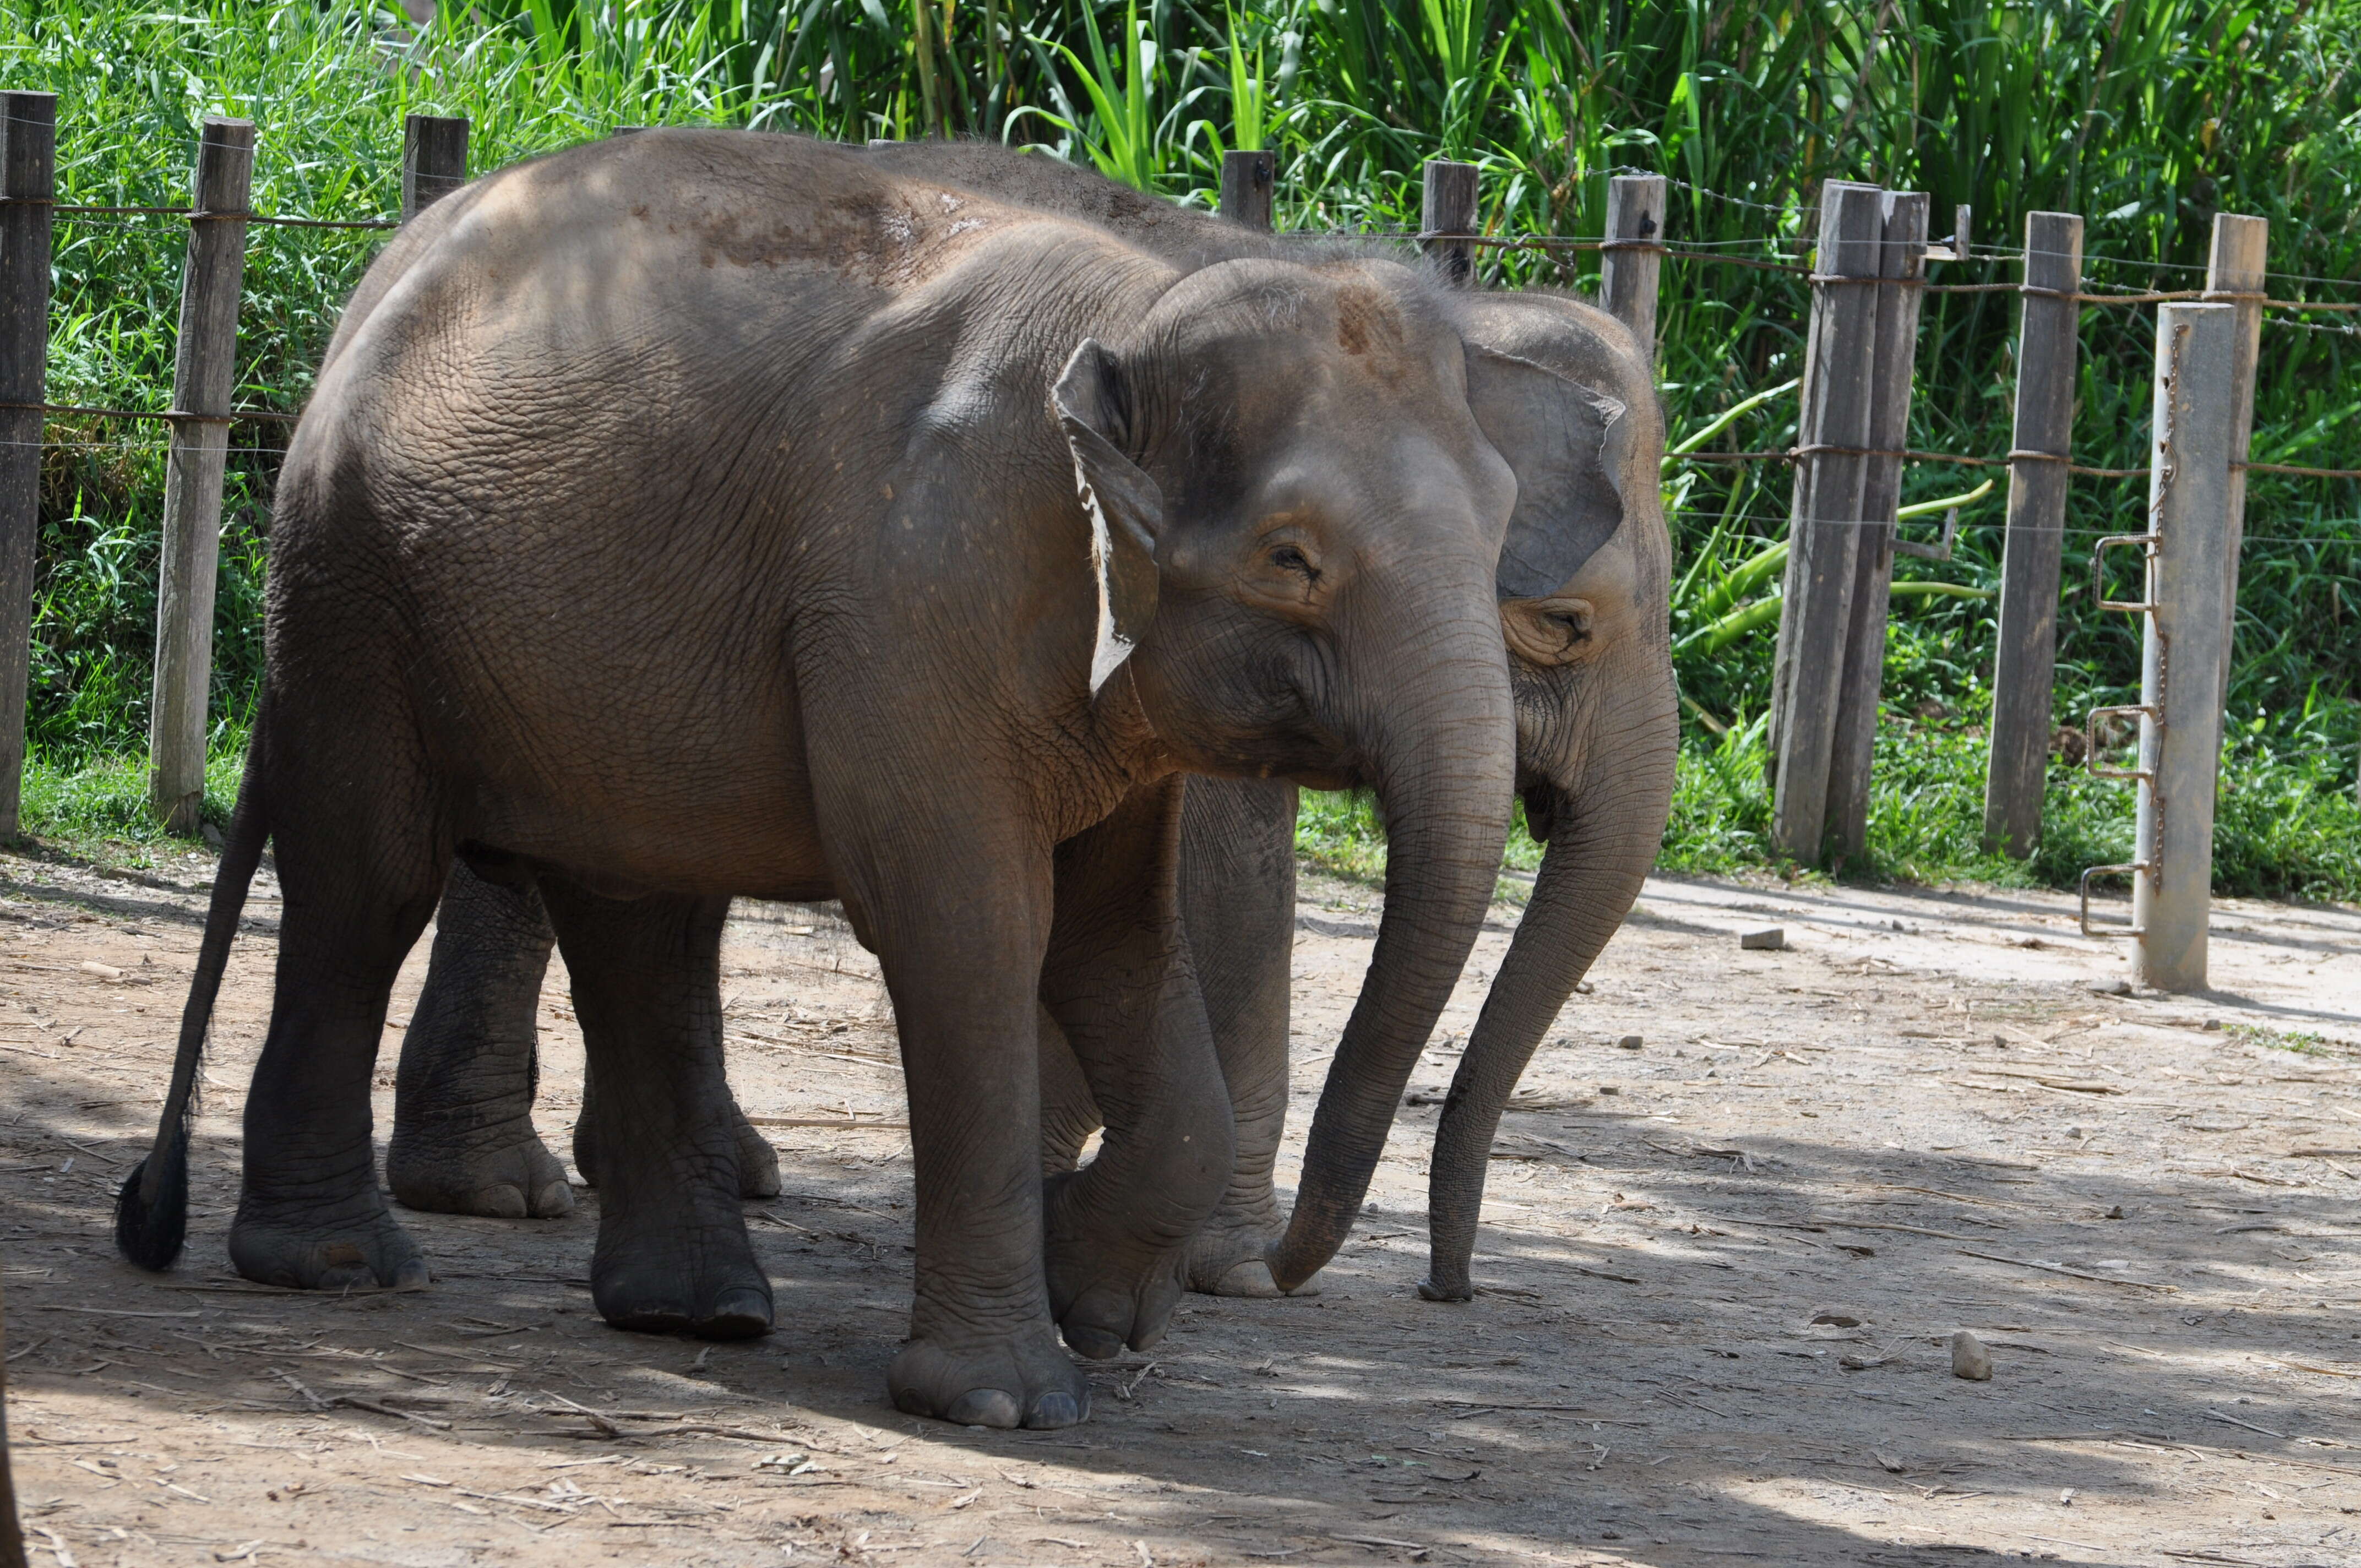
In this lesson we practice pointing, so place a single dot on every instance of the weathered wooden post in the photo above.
(2234, 276)
(11, 1534)
(2025, 663)
(1248, 180)
(1450, 209)
(2191, 548)
(1632, 258)
(1816, 608)
(28, 163)
(434, 159)
(204, 367)
(1901, 262)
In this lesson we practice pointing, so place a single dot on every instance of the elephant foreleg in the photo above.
(1237, 905)
(1069, 1115)
(1119, 981)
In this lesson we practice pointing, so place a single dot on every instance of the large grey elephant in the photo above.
(1582, 589)
(705, 514)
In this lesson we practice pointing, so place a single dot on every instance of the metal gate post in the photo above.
(2190, 500)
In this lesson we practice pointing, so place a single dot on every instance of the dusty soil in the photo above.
(1720, 1272)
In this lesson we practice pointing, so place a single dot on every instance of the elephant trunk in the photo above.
(1602, 842)
(1444, 767)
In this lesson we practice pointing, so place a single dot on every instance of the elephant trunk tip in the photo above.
(1446, 1285)
(1291, 1263)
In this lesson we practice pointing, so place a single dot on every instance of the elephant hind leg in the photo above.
(359, 870)
(673, 1256)
(758, 1161)
(464, 1141)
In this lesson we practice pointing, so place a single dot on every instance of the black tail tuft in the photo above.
(151, 1229)
(152, 1213)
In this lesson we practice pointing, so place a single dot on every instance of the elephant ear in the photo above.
(1125, 509)
(1565, 443)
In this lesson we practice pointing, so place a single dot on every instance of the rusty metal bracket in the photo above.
(2091, 742)
(2098, 578)
(2082, 892)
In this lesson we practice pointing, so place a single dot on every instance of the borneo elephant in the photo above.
(1598, 736)
(1584, 598)
(1582, 587)
(705, 514)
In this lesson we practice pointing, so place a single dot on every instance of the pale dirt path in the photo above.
(1832, 1130)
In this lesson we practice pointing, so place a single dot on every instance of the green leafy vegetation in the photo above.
(2148, 116)
(95, 805)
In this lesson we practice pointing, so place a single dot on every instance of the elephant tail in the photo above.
(152, 1212)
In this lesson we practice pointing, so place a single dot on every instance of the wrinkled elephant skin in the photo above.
(701, 514)
(1582, 589)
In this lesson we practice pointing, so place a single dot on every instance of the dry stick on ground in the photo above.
(2071, 1273)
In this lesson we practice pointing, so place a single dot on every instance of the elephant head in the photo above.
(1301, 521)
(1584, 603)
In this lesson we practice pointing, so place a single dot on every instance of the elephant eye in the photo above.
(1576, 623)
(1288, 558)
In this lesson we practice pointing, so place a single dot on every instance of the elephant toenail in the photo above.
(1053, 1410)
(412, 1275)
(1091, 1340)
(501, 1202)
(741, 1313)
(553, 1200)
(983, 1408)
(1429, 1290)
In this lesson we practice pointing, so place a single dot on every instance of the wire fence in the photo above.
(2124, 286)
(1538, 244)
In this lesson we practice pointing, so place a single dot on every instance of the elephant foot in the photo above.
(758, 1162)
(1020, 1379)
(502, 1172)
(325, 1246)
(1109, 1286)
(1231, 1257)
(716, 1291)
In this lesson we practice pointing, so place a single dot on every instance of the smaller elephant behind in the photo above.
(464, 1141)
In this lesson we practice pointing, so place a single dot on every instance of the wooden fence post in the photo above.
(1816, 607)
(434, 159)
(204, 365)
(2025, 664)
(2234, 276)
(2192, 548)
(28, 163)
(1248, 182)
(1633, 257)
(1902, 257)
(11, 1534)
(1450, 209)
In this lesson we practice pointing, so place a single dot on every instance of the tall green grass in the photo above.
(2147, 115)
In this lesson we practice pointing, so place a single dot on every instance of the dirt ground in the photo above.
(1719, 1273)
